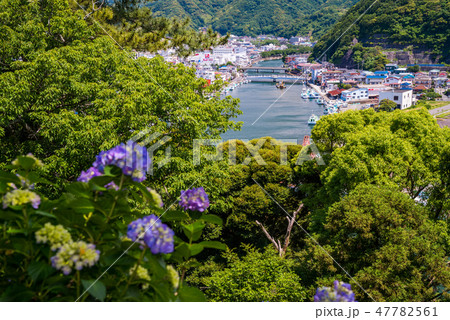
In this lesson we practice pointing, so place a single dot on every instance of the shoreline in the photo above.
(264, 59)
(320, 92)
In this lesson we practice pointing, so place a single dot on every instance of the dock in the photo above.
(320, 92)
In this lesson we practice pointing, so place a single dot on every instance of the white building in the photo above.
(355, 94)
(207, 74)
(221, 50)
(403, 98)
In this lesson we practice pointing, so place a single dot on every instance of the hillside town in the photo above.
(355, 89)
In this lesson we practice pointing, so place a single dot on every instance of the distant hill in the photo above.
(417, 26)
(253, 17)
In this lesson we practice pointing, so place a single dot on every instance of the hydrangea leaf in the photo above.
(96, 288)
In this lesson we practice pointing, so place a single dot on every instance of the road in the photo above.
(439, 110)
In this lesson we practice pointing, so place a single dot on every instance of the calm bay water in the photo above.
(285, 119)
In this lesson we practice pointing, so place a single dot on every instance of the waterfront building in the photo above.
(355, 94)
(403, 98)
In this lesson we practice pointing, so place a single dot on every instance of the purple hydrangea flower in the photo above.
(131, 157)
(87, 175)
(151, 232)
(112, 185)
(194, 199)
(341, 292)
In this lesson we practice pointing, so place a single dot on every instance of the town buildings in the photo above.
(403, 98)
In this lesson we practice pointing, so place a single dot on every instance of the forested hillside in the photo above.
(424, 24)
(252, 17)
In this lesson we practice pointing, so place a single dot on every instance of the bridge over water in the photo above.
(274, 78)
(265, 69)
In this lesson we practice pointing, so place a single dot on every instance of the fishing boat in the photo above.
(320, 102)
(305, 94)
(281, 85)
(313, 119)
(330, 109)
(314, 95)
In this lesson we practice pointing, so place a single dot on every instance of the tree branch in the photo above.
(268, 236)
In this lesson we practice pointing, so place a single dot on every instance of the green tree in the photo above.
(414, 68)
(66, 101)
(401, 149)
(258, 276)
(245, 202)
(387, 242)
(387, 105)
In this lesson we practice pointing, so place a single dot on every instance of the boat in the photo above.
(320, 102)
(314, 95)
(281, 85)
(331, 109)
(306, 94)
(313, 119)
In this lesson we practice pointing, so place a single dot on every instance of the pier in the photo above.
(319, 91)
(284, 78)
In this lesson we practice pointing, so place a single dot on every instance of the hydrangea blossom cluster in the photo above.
(131, 157)
(141, 273)
(19, 197)
(157, 236)
(156, 197)
(75, 255)
(56, 236)
(341, 292)
(174, 278)
(194, 199)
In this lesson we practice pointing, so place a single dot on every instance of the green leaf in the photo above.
(34, 177)
(214, 245)
(191, 294)
(194, 230)
(45, 214)
(79, 189)
(181, 251)
(16, 293)
(101, 181)
(16, 231)
(174, 216)
(9, 177)
(39, 270)
(196, 248)
(211, 218)
(195, 214)
(97, 290)
(82, 205)
(26, 162)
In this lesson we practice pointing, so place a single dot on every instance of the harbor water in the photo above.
(268, 111)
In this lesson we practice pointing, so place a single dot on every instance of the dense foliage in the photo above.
(66, 101)
(286, 52)
(58, 250)
(251, 18)
(372, 192)
(391, 23)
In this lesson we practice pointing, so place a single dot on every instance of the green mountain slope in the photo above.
(423, 24)
(252, 17)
